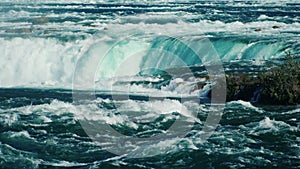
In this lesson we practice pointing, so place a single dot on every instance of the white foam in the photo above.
(297, 110)
(62, 163)
(246, 104)
(20, 134)
(170, 106)
(164, 147)
(153, 109)
(45, 119)
(267, 123)
(36, 62)
(9, 118)
(262, 17)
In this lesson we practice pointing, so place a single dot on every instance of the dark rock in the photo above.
(275, 27)
(258, 30)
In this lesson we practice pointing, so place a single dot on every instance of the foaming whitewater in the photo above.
(142, 72)
(53, 129)
(42, 62)
(37, 61)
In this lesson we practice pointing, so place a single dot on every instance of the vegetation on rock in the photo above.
(280, 85)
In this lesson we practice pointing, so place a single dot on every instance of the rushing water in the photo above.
(138, 68)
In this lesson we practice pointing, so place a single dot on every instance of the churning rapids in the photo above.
(103, 84)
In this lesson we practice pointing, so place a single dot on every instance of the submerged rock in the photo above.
(40, 20)
(19, 30)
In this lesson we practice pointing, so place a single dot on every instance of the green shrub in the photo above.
(281, 85)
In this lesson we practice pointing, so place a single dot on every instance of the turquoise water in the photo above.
(104, 84)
